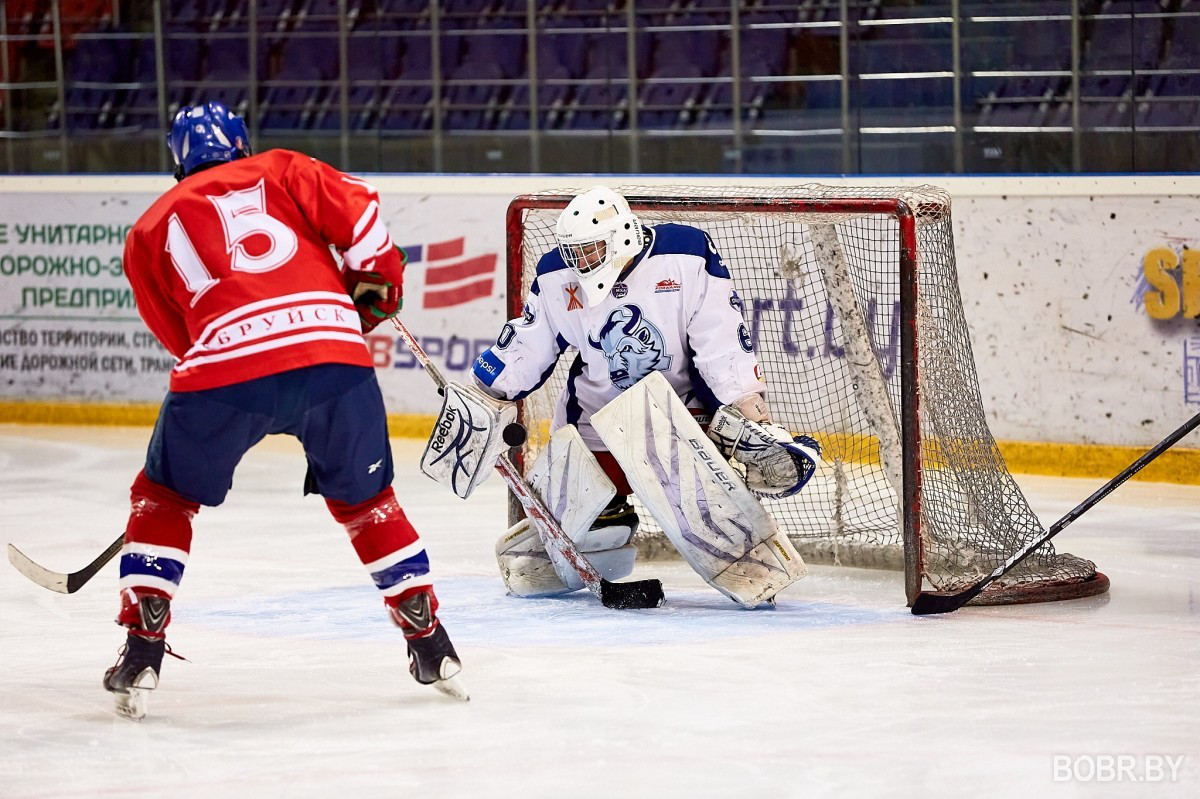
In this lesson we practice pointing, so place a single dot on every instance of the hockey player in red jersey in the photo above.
(232, 271)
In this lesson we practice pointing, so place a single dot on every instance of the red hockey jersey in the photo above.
(232, 268)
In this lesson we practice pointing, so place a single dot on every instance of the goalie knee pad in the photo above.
(574, 488)
(526, 567)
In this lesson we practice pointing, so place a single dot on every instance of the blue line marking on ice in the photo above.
(477, 612)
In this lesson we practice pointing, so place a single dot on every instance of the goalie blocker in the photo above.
(469, 434)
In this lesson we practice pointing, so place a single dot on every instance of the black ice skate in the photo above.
(431, 657)
(135, 674)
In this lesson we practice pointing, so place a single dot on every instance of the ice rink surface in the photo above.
(297, 684)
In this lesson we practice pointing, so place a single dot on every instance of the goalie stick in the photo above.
(62, 583)
(626, 595)
(931, 602)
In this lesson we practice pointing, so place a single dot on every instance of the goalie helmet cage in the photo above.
(850, 299)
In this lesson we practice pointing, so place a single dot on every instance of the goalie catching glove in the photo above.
(777, 463)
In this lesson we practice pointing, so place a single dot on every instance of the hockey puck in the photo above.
(514, 434)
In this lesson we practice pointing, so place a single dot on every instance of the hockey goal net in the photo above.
(851, 300)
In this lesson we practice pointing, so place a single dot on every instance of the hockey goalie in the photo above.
(664, 392)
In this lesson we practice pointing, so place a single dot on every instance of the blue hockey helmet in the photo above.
(206, 133)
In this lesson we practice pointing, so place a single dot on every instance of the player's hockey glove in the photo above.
(777, 463)
(375, 297)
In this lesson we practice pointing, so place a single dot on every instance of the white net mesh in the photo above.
(821, 297)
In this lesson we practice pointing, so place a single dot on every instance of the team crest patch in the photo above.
(632, 345)
(664, 286)
(572, 291)
(744, 338)
(735, 301)
(619, 290)
(527, 315)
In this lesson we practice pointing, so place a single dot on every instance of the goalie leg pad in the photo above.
(467, 438)
(704, 508)
(762, 572)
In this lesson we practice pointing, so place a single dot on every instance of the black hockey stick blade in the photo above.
(932, 603)
(56, 581)
(632, 595)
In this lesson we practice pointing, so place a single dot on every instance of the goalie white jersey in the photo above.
(674, 310)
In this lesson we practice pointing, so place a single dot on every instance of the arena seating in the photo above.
(683, 64)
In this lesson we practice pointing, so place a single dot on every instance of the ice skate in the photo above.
(431, 657)
(135, 674)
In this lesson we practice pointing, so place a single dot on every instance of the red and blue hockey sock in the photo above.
(158, 538)
(389, 548)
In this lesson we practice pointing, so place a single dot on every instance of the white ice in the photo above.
(297, 685)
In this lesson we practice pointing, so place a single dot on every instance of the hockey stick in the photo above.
(931, 602)
(62, 583)
(627, 595)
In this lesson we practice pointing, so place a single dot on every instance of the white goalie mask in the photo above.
(598, 236)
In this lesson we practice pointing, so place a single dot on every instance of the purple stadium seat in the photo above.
(552, 100)
(93, 61)
(763, 51)
(718, 105)
(228, 62)
(474, 105)
(506, 51)
(313, 15)
(657, 12)
(701, 48)
(1184, 52)
(292, 107)
(1122, 43)
(600, 106)
(568, 49)
(670, 105)
(370, 59)
(272, 16)
(592, 13)
(407, 107)
(139, 107)
(462, 14)
(402, 14)
(1104, 101)
(190, 13)
(713, 12)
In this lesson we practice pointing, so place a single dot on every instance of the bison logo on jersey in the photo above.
(633, 346)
